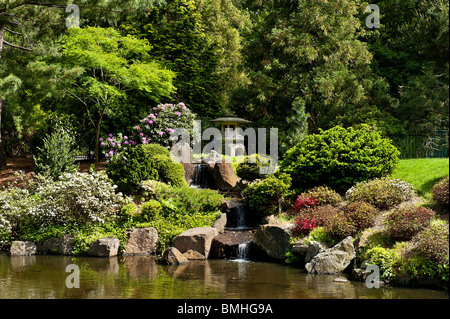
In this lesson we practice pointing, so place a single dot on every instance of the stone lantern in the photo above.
(235, 144)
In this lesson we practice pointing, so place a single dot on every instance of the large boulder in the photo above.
(198, 239)
(224, 176)
(274, 239)
(22, 248)
(174, 257)
(141, 241)
(193, 255)
(333, 260)
(314, 248)
(226, 245)
(220, 223)
(235, 209)
(105, 247)
(57, 246)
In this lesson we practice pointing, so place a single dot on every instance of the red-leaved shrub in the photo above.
(308, 219)
(304, 203)
(440, 191)
(405, 222)
(338, 226)
(432, 243)
(361, 215)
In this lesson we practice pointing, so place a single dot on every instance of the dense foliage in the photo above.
(249, 168)
(403, 223)
(145, 161)
(381, 192)
(339, 158)
(440, 191)
(266, 196)
(323, 195)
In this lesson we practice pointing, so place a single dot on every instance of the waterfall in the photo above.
(200, 176)
(240, 217)
(243, 252)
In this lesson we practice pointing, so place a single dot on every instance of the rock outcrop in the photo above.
(57, 246)
(274, 239)
(198, 239)
(226, 245)
(22, 248)
(333, 260)
(141, 241)
(104, 247)
(174, 257)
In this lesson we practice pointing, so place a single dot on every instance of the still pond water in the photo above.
(141, 277)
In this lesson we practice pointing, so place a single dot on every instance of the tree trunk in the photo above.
(97, 137)
(2, 152)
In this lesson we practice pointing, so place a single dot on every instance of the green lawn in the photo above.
(422, 173)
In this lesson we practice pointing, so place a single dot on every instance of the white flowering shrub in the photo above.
(15, 206)
(381, 192)
(77, 198)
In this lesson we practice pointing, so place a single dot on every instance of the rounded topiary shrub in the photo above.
(323, 195)
(381, 192)
(403, 223)
(432, 242)
(339, 158)
(440, 191)
(309, 218)
(145, 162)
(361, 215)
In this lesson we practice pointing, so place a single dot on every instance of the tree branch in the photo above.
(16, 46)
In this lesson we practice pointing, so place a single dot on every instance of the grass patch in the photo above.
(422, 173)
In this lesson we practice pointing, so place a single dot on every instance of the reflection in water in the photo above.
(141, 277)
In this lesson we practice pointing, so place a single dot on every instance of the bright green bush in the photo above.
(180, 209)
(56, 156)
(381, 192)
(339, 158)
(266, 196)
(440, 191)
(403, 223)
(323, 195)
(386, 259)
(130, 210)
(249, 169)
(144, 162)
(150, 210)
(169, 172)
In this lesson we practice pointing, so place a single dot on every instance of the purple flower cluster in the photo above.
(156, 127)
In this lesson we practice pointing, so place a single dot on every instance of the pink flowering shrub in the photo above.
(155, 128)
(162, 121)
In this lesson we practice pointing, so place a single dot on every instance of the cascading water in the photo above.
(243, 252)
(240, 217)
(200, 176)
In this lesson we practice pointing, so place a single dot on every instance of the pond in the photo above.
(140, 277)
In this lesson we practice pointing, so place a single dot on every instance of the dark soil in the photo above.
(19, 171)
